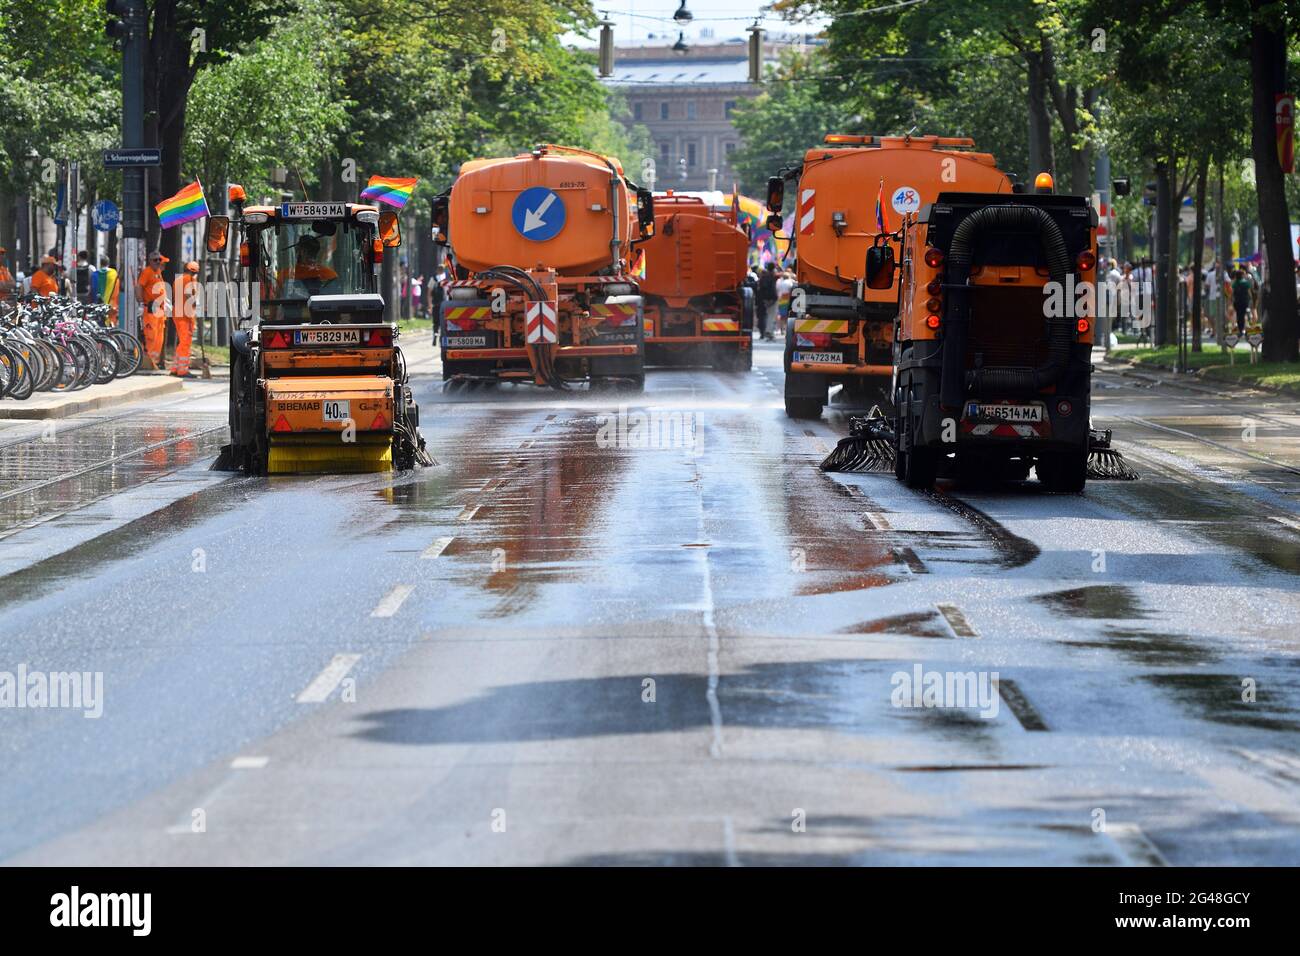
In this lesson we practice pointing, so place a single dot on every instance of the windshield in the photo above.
(299, 260)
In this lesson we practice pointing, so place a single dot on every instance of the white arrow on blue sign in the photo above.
(538, 214)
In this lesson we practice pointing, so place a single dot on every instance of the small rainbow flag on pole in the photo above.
(882, 221)
(391, 190)
(186, 206)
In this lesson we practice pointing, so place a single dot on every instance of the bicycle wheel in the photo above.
(50, 363)
(20, 379)
(132, 353)
(108, 355)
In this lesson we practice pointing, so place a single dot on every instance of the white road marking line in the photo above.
(249, 763)
(1293, 523)
(729, 841)
(957, 621)
(1134, 845)
(468, 512)
(435, 550)
(324, 683)
(392, 601)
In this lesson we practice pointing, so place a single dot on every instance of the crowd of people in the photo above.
(1231, 293)
(88, 283)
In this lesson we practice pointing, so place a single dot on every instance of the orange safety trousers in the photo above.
(155, 327)
(184, 339)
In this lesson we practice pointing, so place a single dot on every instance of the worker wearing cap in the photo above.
(6, 277)
(44, 280)
(183, 311)
(153, 296)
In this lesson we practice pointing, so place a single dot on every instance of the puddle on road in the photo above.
(918, 624)
(1151, 648)
(1106, 601)
(1218, 698)
(27, 466)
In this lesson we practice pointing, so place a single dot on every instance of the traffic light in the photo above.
(119, 14)
(1121, 185)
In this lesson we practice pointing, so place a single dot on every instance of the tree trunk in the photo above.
(1222, 249)
(1268, 77)
(1198, 251)
(1160, 253)
(1041, 155)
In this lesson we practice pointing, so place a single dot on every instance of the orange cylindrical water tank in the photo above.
(555, 208)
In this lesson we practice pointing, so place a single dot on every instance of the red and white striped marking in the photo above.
(1006, 430)
(807, 210)
(539, 323)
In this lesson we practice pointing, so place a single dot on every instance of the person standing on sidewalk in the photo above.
(1242, 290)
(153, 298)
(6, 277)
(45, 279)
(183, 312)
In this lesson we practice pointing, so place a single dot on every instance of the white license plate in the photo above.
(327, 337)
(1006, 413)
(312, 210)
(822, 357)
(467, 341)
(335, 411)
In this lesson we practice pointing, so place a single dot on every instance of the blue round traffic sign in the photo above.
(538, 213)
(106, 215)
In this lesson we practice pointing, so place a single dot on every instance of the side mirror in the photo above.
(775, 194)
(389, 230)
(217, 233)
(880, 265)
(774, 223)
(645, 211)
(440, 218)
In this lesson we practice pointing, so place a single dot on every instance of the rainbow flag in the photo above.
(882, 222)
(391, 190)
(186, 206)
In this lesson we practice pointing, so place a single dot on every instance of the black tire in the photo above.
(1064, 472)
(921, 468)
(809, 409)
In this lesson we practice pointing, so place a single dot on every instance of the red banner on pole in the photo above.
(1284, 125)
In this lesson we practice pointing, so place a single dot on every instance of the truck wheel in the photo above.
(809, 408)
(920, 468)
(1064, 472)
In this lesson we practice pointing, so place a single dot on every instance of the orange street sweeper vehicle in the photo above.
(697, 310)
(317, 381)
(839, 331)
(543, 289)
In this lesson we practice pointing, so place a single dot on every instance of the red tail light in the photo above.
(1086, 261)
(932, 321)
(245, 258)
(1083, 326)
(819, 340)
(277, 340)
(377, 249)
(378, 337)
(379, 423)
(282, 425)
(933, 257)
(933, 305)
(934, 287)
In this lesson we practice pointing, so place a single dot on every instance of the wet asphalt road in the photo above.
(553, 649)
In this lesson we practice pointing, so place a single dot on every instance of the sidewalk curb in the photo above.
(87, 401)
(1202, 378)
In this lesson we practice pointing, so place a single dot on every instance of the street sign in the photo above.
(538, 214)
(106, 215)
(132, 158)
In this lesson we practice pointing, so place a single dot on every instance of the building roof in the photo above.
(680, 72)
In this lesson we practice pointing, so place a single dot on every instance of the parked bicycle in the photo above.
(52, 343)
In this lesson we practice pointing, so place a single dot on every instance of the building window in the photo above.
(636, 112)
(690, 155)
(690, 109)
(665, 152)
(727, 150)
(663, 111)
(728, 107)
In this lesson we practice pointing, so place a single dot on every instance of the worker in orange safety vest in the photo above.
(183, 311)
(153, 296)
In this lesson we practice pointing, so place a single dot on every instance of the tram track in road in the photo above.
(81, 424)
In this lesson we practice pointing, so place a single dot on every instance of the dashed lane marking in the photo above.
(468, 512)
(1015, 699)
(435, 550)
(1134, 845)
(957, 620)
(249, 763)
(393, 600)
(324, 683)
